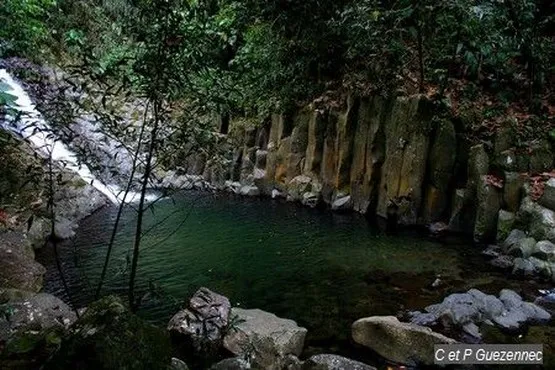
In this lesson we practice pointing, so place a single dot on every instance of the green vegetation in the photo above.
(258, 56)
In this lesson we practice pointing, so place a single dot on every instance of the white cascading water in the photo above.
(33, 127)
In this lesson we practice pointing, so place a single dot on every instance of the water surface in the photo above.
(321, 269)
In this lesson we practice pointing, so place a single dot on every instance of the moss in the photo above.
(108, 336)
(29, 350)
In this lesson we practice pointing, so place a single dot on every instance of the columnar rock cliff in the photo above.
(375, 155)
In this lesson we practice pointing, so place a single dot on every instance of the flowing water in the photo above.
(321, 269)
(31, 126)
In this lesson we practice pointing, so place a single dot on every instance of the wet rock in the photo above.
(310, 199)
(276, 194)
(540, 220)
(18, 268)
(544, 250)
(541, 268)
(203, 323)
(334, 362)
(108, 336)
(548, 198)
(505, 222)
(523, 248)
(514, 237)
(342, 203)
(546, 302)
(488, 204)
(438, 228)
(298, 186)
(523, 267)
(250, 191)
(266, 338)
(518, 312)
(233, 186)
(469, 310)
(399, 342)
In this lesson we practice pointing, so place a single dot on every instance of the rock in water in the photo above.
(404, 343)
(334, 362)
(204, 321)
(342, 203)
(267, 338)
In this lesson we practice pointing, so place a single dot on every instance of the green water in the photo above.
(321, 269)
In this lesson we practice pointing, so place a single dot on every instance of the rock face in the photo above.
(18, 268)
(204, 321)
(399, 342)
(467, 310)
(264, 338)
(108, 336)
(370, 153)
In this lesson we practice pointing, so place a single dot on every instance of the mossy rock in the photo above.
(108, 336)
(31, 349)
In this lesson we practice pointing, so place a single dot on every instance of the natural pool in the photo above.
(321, 269)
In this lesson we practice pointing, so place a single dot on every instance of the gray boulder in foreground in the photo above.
(399, 342)
(266, 338)
(204, 321)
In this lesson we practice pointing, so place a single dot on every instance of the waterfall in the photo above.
(34, 128)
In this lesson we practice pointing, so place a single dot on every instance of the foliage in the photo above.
(23, 28)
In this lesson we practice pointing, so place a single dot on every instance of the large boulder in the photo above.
(403, 343)
(203, 323)
(18, 268)
(265, 338)
(334, 362)
(108, 336)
